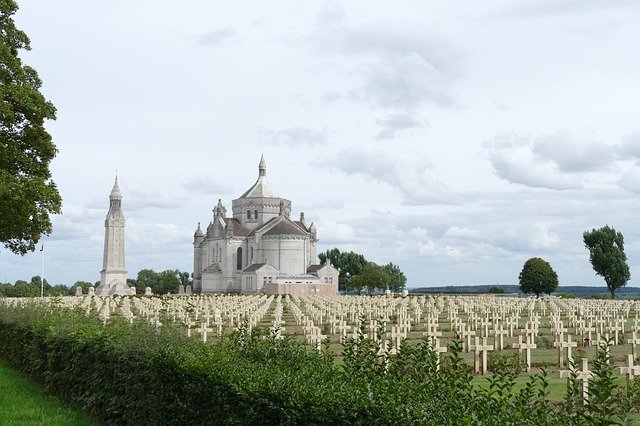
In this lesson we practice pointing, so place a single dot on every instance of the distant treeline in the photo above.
(160, 283)
(576, 290)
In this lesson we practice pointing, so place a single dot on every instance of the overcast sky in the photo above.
(455, 139)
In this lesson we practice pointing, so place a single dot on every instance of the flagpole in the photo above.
(42, 274)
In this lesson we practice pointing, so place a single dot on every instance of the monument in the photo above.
(113, 277)
(260, 249)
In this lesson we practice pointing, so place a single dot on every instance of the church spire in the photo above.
(262, 167)
(115, 192)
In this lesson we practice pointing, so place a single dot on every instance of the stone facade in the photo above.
(113, 277)
(259, 248)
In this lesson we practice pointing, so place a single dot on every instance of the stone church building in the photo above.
(259, 248)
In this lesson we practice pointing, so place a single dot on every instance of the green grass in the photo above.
(23, 403)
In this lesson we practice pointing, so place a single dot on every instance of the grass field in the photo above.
(23, 403)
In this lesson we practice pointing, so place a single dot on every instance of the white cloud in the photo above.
(513, 158)
(205, 184)
(461, 233)
(631, 180)
(407, 174)
(294, 136)
(217, 37)
(630, 147)
(394, 123)
(407, 82)
(573, 153)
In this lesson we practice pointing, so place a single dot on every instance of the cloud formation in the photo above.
(407, 174)
(217, 37)
(204, 184)
(294, 136)
(392, 124)
(514, 160)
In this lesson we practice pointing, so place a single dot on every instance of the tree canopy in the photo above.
(372, 277)
(352, 264)
(607, 256)
(160, 282)
(348, 263)
(397, 279)
(537, 276)
(27, 193)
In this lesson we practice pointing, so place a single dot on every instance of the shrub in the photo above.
(506, 362)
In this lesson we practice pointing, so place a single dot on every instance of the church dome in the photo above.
(198, 232)
(261, 189)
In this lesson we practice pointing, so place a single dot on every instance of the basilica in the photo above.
(259, 248)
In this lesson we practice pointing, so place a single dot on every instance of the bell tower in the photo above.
(113, 277)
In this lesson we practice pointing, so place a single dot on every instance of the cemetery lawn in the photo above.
(22, 402)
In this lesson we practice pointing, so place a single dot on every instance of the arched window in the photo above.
(248, 214)
(255, 214)
(239, 259)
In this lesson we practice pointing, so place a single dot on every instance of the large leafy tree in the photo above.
(160, 282)
(27, 194)
(537, 276)
(607, 256)
(374, 277)
(349, 264)
(397, 279)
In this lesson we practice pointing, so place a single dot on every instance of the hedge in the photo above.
(139, 374)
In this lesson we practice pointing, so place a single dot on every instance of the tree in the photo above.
(348, 263)
(27, 194)
(160, 282)
(83, 284)
(372, 276)
(537, 276)
(607, 256)
(397, 280)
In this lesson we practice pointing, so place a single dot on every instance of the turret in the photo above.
(198, 237)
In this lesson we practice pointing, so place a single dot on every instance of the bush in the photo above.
(137, 374)
(506, 362)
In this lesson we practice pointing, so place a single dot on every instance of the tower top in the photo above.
(261, 188)
(115, 192)
(262, 167)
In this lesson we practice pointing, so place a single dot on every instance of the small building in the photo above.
(260, 248)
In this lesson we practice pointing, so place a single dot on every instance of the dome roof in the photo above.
(261, 189)
(198, 232)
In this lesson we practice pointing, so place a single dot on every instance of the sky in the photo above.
(455, 139)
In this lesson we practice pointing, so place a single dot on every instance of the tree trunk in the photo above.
(613, 294)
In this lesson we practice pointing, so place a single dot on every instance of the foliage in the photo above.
(607, 256)
(160, 282)
(537, 276)
(351, 264)
(348, 263)
(397, 279)
(22, 288)
(27, 194)
(506, 362)
(496, 289)
(372, 276)
(138, 374)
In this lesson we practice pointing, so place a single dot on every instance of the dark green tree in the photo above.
(27, 193)
(146, 278)
(537, 276)
(607, 256)
(85, 287)
(349, 264)
(160, 282)
(397, 280)
(372, 276)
